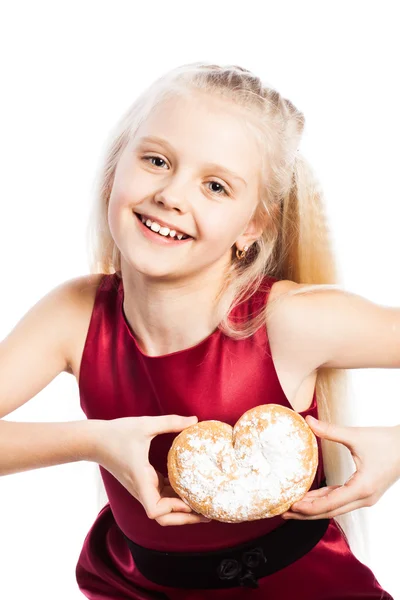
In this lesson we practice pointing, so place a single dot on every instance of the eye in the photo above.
(149, 158)
(222, 187)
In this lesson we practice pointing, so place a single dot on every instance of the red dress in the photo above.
(219, 378)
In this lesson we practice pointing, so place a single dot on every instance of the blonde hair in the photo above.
(295, 243)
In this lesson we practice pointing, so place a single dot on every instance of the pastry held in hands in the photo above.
(255, 470)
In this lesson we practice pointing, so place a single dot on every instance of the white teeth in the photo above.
(165, 231)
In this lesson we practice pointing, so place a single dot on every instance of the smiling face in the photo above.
(193, 165)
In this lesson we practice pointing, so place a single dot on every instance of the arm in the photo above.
(376, 454)
(39, 348)
(335, 329)
(26, 446)
(31, 356)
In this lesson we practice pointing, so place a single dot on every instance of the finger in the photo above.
(334, 499)
(182, 519)
(157, 507)
(317, 493)
(169, 492)
(169, 424)
(150, 495)
(339, 498)
(330, 431)
(328, 515)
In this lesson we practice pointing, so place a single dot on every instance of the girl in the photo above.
(206, 223)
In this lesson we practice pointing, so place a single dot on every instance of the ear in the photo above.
(256, 227)
(252, 232)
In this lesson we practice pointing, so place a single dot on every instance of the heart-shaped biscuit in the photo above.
(255, 470)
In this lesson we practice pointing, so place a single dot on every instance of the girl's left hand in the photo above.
(376, 453)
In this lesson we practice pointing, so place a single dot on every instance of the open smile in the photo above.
(163, 238)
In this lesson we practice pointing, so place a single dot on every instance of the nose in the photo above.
(172, 197)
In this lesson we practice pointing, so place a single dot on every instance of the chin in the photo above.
(152, 270)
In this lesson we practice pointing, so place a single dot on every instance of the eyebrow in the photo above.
(210, 165)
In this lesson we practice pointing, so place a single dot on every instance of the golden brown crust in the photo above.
(255, 470)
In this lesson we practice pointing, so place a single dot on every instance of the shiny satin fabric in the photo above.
(219, 378)
(330, 571)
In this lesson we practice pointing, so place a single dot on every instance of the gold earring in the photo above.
(241, 253)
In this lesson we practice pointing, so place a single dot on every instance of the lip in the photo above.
(164, 223)
(157, 238)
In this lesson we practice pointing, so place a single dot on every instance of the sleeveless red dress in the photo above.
(219, 378)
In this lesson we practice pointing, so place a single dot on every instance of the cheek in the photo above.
(223, 229)
(128, 187)
(115, 212)
(120, 204)
(113, 218)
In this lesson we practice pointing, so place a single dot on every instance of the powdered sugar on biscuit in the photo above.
(249, 475)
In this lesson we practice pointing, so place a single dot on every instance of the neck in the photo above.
(166, 317)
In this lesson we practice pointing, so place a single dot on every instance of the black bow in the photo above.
(229, 568)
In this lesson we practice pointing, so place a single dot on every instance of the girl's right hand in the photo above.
(123, 449)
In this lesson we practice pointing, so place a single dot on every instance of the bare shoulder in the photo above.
(41, 344)
(292, 366)
(308, 330)
(281, 287)
(333, 328)
(81, 291)
(79, 294)
(289, 325)
(276, 318)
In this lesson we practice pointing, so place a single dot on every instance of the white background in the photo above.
(69, 70)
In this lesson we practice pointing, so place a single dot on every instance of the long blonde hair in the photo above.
(295, 243)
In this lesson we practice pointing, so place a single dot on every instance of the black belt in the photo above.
(241, 565)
